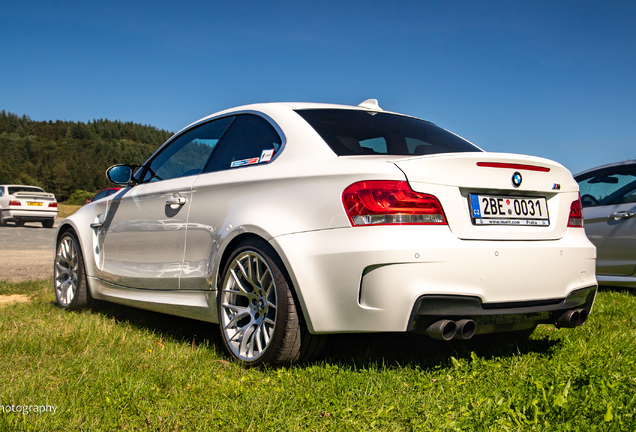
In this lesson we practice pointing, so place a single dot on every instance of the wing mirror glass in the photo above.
(120, 174)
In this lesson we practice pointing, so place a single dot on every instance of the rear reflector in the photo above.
(513, 166)
(576, 214)
(14, 203)
(385, 202)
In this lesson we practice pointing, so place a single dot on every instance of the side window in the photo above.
(187, 154)
(1, 191)
(250, 140)
(606, 187)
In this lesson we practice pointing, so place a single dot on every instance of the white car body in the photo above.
(20, 203)
(142, 252)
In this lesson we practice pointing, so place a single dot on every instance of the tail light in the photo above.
(14, 203)
(53, 204)
(576, 214)
(384, 202)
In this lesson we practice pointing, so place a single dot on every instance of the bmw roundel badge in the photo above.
(516, 179)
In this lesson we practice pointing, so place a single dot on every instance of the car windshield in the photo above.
(358, 132)
(14, 189)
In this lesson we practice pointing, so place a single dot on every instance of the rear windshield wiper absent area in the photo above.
(358, 132)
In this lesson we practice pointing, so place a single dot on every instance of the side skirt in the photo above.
(199, 305)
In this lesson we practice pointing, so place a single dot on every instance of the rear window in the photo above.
(356, 132)
(14, 189)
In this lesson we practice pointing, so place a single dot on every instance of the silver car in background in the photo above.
(20, 204)
(608, 194)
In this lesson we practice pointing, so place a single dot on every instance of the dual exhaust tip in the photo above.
(572, 318)
(446, 329)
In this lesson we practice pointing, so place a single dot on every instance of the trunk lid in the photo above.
(462, 180)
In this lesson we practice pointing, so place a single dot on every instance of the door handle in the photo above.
(176, 201)
(99, 223)
(621, 215)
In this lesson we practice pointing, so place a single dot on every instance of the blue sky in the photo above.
(555, 79)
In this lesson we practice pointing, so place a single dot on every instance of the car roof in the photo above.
(370, 105)
(611, 165)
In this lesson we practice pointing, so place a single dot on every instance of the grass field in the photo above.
(118, 368)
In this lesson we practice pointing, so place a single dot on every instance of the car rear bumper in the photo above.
(497, 317)
(28, 215)
(371, 279)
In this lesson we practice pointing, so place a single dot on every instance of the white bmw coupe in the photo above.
(285, 222)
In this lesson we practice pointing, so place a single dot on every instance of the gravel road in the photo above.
(26, 252)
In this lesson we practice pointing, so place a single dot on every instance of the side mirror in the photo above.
(120, 174)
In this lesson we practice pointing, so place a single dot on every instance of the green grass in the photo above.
(65, 210)
(118, 368)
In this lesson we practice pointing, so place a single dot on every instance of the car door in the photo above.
(609, 211)
(144, 231)
(251, 141)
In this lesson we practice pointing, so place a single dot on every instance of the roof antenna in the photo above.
(371, 104)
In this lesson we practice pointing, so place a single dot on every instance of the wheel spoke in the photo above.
(240, 314)
(238, 282)
(247, 335)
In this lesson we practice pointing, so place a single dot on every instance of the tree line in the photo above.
(64, 156)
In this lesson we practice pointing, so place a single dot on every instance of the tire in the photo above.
(2, 222)
(259, 318)
(69, 277)
(48, 223)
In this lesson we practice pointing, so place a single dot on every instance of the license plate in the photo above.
(34, 203)
(508, 210)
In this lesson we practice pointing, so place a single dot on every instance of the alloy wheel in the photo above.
(248, 306)
(66, 266)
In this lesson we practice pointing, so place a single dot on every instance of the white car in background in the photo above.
(290, 221)
(20, 204)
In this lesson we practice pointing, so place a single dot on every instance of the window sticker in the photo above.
(244, 162)
(266, 155)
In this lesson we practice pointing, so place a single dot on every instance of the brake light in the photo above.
(14, 203)
(385, 202)
(513, 166)
(576, 214)
(53, 204)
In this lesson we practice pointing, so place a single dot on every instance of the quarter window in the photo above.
(250, 140)
(187, 154)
